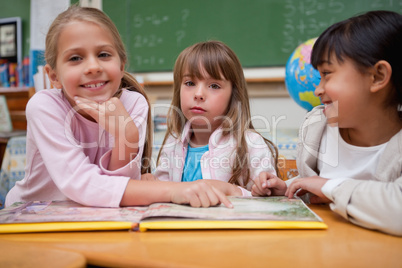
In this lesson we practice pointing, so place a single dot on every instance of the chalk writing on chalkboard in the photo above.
(300, 20)
(261, 32)
(141, 39)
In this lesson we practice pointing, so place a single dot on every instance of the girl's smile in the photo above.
(328, 105)
(345, 92)
(95, 86)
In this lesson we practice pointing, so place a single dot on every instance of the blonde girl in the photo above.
(210, 133)
(89, 140)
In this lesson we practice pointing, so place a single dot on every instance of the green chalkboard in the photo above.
(261, 32)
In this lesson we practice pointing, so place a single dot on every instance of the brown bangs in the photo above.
(206, 58)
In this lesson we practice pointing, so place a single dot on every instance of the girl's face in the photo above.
(345, 92)
(88, 64)
(205, 101)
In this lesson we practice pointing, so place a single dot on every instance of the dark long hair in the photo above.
(366, 39)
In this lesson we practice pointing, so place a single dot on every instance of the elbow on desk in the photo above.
(392, 226)
(393, 229)
(395, 226)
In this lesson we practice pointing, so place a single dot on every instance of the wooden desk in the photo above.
(341, 245)
(15, 254)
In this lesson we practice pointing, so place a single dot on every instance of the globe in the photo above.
(301, 78)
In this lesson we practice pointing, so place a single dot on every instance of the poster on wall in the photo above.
(10, 39)
(42, 14)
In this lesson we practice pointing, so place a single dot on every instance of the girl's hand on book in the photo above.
(268, 184)
(225, 187)
(198, 194)
(313, 185)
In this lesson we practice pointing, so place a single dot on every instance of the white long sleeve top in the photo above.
(371, 203)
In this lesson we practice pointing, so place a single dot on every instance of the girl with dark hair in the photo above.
(350, 148)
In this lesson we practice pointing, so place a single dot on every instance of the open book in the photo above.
(248, 213)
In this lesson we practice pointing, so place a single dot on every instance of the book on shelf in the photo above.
(4, 81)
(277, 212)
(14, 74)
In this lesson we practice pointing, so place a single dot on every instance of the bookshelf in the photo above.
(17, 99)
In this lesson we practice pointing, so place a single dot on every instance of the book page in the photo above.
(67, 211)
(275, 208)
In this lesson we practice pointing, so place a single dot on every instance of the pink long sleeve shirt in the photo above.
(68, 155)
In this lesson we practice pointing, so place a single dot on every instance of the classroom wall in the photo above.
(279, 112)
(271, 106)
(267, 113)
(18, 8)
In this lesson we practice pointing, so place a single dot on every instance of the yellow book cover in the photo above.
(248, 213)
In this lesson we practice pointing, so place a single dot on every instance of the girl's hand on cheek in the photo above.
(110, 115)
(113, 117)
(87, 107)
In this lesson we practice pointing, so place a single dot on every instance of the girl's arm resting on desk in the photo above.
(197, 193)
(371, 204)
(57, 159)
